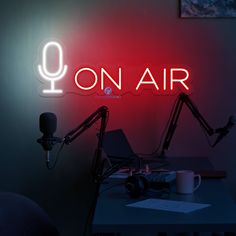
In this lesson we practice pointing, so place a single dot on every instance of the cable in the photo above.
(51, 167)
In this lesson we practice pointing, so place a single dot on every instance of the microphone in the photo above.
(225, 130)
(48, 126)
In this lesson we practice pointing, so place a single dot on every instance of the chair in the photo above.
(20, 216)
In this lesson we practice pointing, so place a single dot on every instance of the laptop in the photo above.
(117, 147)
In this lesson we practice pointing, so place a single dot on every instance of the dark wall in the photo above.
(111, 33)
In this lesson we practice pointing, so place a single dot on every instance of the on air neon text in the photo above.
(104, 74)
(161, 81)
(172, 79)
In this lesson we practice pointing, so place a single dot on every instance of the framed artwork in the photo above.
(207, 8)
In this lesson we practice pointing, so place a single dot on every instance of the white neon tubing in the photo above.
(60, 58)
(43, 70)
(42, 73)
(62, 69)
(95, 78)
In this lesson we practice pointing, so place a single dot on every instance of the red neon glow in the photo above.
(147, 80)
(135, 35)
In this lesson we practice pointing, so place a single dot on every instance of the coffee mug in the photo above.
(185, 181)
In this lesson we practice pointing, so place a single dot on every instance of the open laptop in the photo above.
(117, 147)
(120, 153)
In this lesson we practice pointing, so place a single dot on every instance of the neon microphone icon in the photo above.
(52, 77)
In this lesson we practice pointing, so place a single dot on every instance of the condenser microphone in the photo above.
(48, 126)
(225, 130)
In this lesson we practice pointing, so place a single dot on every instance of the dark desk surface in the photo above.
(112, 214)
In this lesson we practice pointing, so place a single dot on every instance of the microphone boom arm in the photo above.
(98, 163)
(184, 99)
(100, 113)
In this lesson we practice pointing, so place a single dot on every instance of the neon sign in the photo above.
(95, 81)
(43, 69)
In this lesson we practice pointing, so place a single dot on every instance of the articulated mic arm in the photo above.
(100, 113)
(184, 98)
(98, 163)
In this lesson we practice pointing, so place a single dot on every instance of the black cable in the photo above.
(51, 167)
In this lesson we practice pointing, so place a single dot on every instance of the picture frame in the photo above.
(207, 8)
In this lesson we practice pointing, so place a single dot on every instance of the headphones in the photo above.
(136, 185)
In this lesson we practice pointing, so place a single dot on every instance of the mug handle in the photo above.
(199, 182)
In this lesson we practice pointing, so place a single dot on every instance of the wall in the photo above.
(133, 34)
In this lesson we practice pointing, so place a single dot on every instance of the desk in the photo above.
(112, 215)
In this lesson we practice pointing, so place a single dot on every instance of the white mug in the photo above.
(185, 181)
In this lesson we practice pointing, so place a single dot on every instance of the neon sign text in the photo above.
(88, 80)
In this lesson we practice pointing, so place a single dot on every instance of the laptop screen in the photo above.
(116, 145)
